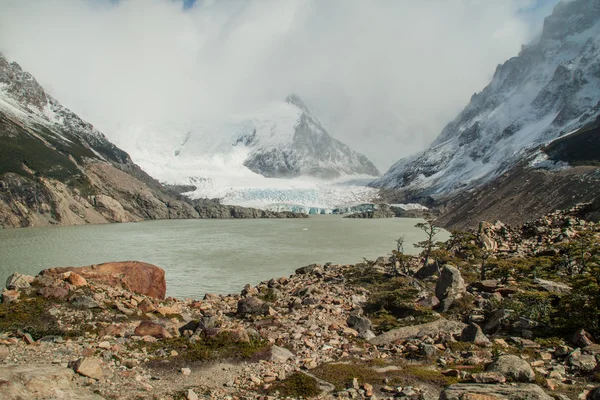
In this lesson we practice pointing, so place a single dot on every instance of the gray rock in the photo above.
(361, 324)
(84, 302)
(450, 287)
(307, 269)
(431, 329)
(489, 377)
(18, 281)
(279, 354)
(473, 334)
(513, 368)
(428, 350)
(251, 305)
(582, 362)
(487, 286)
(41, 381)
(367, 335)
(486, 391)
(427, 271)
(552, 287)
(494, 322)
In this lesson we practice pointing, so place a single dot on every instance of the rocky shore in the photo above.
(502, 313)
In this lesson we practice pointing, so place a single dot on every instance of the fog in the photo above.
(383, 76)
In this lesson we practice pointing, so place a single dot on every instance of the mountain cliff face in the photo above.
(57, 169)
(310, 151)
(550, 89)
(556, 177)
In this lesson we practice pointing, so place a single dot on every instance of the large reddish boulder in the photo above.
(135, 276)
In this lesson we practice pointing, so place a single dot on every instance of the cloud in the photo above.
(384, 76)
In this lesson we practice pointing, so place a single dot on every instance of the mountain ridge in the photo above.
(56, 168)
(548, 90)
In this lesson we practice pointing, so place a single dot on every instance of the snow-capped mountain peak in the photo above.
(282, 141)
(551, 88)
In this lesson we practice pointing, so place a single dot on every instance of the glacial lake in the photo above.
(208, 256)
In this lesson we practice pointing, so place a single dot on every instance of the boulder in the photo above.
(307, 269)
(251, 305)
(146, 306)
(361, 324)
(450, 287)
(148, 328)
(18, 281)
(582, 362)
(594, 394)
(494, 321)
(431, 329)
(41, 381)
(482, 391)
(10, 296)
(513, 368)
(488, 285)
(552, 287)
(76, 280)
(279, 354)
(489, 377)
(473, 334)
(582, 339)
(57, 293)
(84, 302)
(135, 276)
(426, 271)
(89, 367)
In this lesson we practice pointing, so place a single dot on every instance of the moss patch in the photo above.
(341, 375)
(221, 346)
(31, 316)
(297, 385)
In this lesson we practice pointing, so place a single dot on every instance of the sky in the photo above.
(383, 76)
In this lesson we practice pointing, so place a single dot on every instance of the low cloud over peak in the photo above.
(383, 76)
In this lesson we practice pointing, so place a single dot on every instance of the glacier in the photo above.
(278, 158)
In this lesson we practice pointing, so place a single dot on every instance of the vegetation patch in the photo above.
(221, 346)
(30, 316)
(341, 375)
(269, 296)
(297, 385)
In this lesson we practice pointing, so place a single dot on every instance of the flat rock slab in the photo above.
(430, 329)
(41, 381)
(474, 391)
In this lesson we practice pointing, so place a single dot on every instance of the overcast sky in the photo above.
(383, 76)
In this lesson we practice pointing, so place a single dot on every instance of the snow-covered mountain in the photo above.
(283, 141)
(550, 89)
(249, 159)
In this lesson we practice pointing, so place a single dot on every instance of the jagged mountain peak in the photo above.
(550, 89)
(295, 100)
(21, 85)
(570, 17)
(282, 140)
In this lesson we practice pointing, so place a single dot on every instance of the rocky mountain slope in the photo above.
(559, 175)
(57, 169)
(550, 89)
